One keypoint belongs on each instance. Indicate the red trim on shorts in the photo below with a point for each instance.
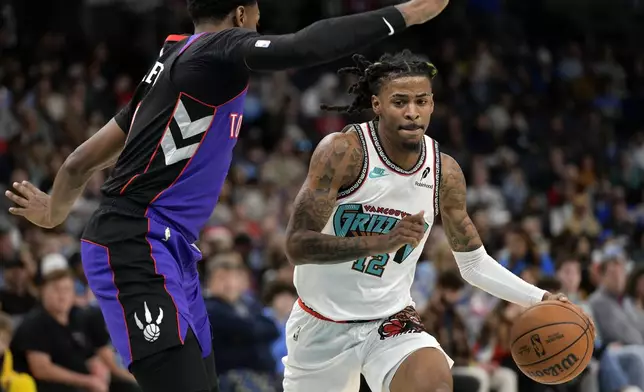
(320, 317)
(118, 292)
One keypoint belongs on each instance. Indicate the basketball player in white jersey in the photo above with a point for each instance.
(358, 227)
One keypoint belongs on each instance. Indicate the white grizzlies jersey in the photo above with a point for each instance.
(377, 286)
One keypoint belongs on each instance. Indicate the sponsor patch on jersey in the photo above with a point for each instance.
(422, 182)
(262, 43)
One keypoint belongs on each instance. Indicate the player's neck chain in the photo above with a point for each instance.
(373, 131)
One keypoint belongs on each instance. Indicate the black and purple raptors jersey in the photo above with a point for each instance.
(185, 117)
(182, 125)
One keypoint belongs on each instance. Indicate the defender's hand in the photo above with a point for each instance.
(33, 204)
(409, 230)
(420, 11)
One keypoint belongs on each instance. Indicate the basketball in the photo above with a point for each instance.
(552, 342)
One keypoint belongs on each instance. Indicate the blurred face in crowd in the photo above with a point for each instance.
(16, 278)
(405, 106)
(6, 247)
(530, 275)
(58, 295)
(481, 221)
(5, 340)
(450, 296)
(282, 304)
(569, 274)
(228, 282)
(516, 245)
(639, 287)
(615, 276)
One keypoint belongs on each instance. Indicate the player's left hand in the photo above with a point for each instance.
(32, 203)
(555, 297)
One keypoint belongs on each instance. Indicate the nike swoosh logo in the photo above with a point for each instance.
(374, 175)
(391, 28)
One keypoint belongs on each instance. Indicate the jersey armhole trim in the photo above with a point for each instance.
(437, 178)
(346, 191)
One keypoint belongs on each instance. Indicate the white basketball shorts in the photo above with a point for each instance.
(326, 356)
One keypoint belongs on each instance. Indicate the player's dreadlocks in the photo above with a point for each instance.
(200, 10)
(373, 75)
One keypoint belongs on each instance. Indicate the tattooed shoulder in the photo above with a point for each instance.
(336, 163)
(458, 226)
(452, 187)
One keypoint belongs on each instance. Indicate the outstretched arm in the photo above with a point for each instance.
(333, 38)
(98, 152)
(476, 266)
(336, 161)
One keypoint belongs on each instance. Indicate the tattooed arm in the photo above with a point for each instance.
(458, 226)
(476, 266)
(337, 162)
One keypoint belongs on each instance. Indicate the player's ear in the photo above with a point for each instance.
(375, 105)
(239, 16)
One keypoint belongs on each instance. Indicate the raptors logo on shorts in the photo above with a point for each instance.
(405, 321)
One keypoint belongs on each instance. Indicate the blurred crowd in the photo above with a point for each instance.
(547, 122)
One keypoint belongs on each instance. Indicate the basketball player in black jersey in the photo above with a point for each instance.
(172, 146)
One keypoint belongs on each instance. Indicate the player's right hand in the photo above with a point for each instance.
(408, 231)
(96, 384)
(420, 11)
(32, 203)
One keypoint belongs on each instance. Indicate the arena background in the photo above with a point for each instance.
(541, 102)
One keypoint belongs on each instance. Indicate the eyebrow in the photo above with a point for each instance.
(421, 95)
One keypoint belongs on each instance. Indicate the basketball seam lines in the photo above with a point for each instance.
(555, 304)
(565, 348)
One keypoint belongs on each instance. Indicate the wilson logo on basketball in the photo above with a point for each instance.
(565, 365)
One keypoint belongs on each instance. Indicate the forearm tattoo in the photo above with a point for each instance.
(336, 162)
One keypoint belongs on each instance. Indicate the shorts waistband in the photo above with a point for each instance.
(125, 205)
(320, 317)
(122, 203)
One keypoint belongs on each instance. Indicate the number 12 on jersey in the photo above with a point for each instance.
(376, 264)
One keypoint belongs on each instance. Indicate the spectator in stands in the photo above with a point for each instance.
(54, 343)
(279, 298)
(521, 253)
(634, 300)
(443, 322)
(617, 329)
(582, 221)
(10, 380)
(17, 295)
(242, 334)
(492, 349)
(121, 379)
